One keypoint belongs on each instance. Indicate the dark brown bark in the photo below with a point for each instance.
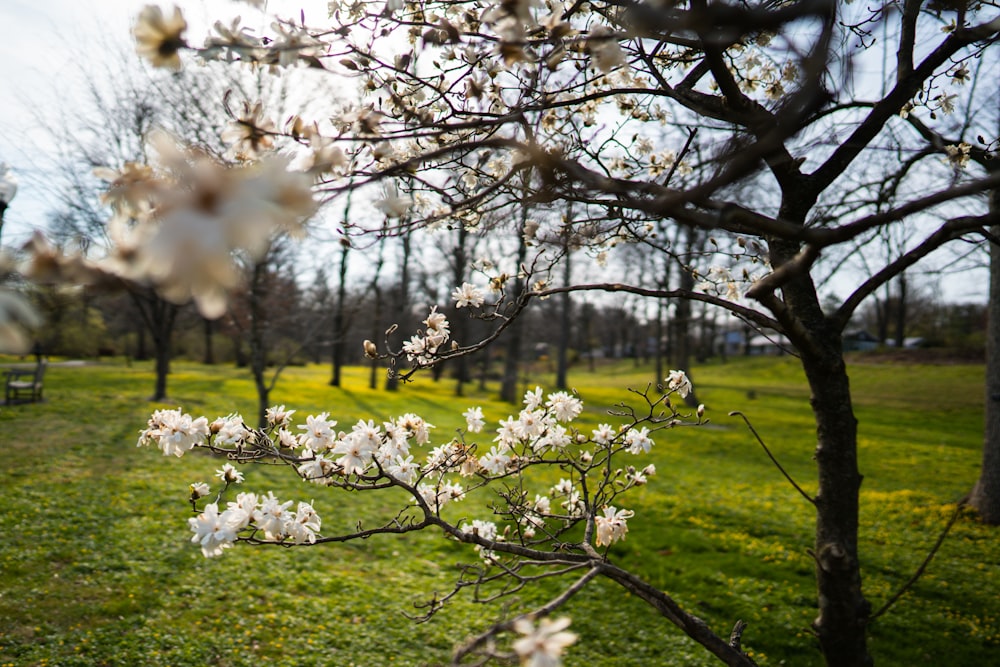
(692, 626)
(842, 622)
(681, 346)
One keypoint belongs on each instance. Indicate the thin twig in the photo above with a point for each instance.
(923, 566)
(544, 610)
(767, 451)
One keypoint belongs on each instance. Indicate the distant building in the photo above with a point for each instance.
(770, 344)
(859, 340)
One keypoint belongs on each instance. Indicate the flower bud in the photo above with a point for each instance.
(198, 490)
(370, 350)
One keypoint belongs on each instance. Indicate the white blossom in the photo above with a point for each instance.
(612, 526)
(213, 531)
(542, 646)
(678, 381)
(468, 295)
(474, 419)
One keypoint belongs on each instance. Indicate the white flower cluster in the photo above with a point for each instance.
(369, 455)
(174, 432)
(178, 224)
(367, 448)
(612, 526)
(215, 531)
(422, 347)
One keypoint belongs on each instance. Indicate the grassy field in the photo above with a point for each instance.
(96, 568)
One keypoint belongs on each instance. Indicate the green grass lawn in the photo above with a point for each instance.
(96, 567)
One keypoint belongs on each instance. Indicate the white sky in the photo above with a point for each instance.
(41, 42)
(40, 46)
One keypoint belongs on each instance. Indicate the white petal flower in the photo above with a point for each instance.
(229, 474)
(468, 295)
(637, 440)
(158, 38)
(542, 646)
(678, 381)
(213, 531)
(612, 526)
(474, 419)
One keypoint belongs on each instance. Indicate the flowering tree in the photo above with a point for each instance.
(527, 533)
(477, 109)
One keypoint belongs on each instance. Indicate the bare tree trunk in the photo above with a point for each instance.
(682, 316)
(258, 344)
(376, 330)
(985, 497)
(339, 333)
(901, 312)
(508, 385)
(401, 302)
(659, 342)
(842, 622)
(565, 319)
(158, 316)
(209, 336)
(460, 323)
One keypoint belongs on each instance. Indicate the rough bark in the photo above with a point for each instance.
(842, 620)
(460, 322)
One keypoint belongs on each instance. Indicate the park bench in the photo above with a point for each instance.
(25, 385)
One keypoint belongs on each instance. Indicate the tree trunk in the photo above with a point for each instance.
(985, 496)
(209, 335)
(460, 323)
(565, 319)
(682, 318)
(842, 623)
(141, 350)
(401, 305)
(901, 312)
(162, 371)
(508, 384)
(659, 343)
(843, 610)
(158, 316)
(339, 333)
(258, 342)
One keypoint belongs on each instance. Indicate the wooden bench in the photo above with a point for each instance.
(25, 385)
